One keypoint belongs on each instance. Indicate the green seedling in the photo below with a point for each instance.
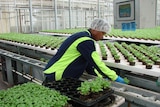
(126, 80)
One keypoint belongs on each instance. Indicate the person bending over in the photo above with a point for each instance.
(78, 54)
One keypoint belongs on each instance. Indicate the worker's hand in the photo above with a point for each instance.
(120, 80)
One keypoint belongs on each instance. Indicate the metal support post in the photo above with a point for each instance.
(55, 13)
(158, 82)
(20, 69)
(70, 20)
(30, 14)
(9, 70)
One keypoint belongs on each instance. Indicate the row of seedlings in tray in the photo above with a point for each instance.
(150, 54)
(103, 50)
(47, 42)
(41, 41)
(129, 56)
(86, 93)
(55, 44)
(141, 34)
(139, 55)
(96, 92)
(34, 40)
(113, 51)
(145, 54)
(153, 49)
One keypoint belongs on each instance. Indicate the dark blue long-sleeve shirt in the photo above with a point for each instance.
(75, 55)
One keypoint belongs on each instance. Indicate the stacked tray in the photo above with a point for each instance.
(68, 86)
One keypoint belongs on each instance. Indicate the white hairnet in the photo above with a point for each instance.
(101, 25)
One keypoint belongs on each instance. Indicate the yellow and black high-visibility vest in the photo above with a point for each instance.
(73, 57)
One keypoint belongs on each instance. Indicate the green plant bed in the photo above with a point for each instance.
(146, 34)
(33, 39)
(32, 95)
(66, 31)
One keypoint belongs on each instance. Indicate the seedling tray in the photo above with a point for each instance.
(68, 87)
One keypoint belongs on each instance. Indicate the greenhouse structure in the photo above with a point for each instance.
(79, 53)
(26, 16)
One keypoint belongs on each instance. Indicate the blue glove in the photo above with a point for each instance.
(120, 80)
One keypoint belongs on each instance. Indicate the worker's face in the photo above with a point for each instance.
(97, 35)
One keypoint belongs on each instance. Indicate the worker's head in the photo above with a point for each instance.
(99, 27)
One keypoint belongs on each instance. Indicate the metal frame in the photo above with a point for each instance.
(135, 74)
(130, 93)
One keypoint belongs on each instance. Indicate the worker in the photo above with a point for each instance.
(78, 54)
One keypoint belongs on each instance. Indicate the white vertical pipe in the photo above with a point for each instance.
(63, 16)
(55, 13)
(1, 20)
(17, 24)
(70, 23)
(30, 14)
(156, 13)
(25, 28)
(98, 8)
(9, 23)
(41, 15)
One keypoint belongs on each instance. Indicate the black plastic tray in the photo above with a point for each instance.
(68, 86)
